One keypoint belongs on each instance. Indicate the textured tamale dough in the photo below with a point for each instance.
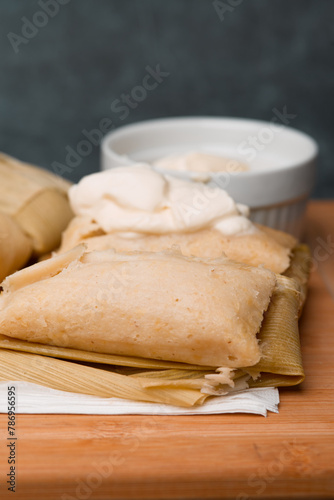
(265, 246)
(155, 305)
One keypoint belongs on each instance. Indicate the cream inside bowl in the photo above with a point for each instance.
(267, 166)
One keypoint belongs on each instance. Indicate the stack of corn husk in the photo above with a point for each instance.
(34, 210)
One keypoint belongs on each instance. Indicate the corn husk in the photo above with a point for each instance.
(36, 200)
(73, 377)
(299, 271)
(15, 247)
(167, 382)
(281, 362)
(94, 358)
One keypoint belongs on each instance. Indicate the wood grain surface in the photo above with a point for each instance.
(287, 455)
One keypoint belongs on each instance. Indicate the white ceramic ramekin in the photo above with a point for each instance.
(281, 160)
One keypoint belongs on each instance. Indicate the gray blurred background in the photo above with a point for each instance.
(68, 65)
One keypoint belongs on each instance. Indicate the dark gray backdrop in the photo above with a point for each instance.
(254, 55)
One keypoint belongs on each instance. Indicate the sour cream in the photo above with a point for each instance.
(137, 200)
(200, 162)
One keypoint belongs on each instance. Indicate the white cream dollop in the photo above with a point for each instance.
(196, 161)
(136, 200)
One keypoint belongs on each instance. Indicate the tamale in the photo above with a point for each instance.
(265, 246)
(131, 304)
(165, 381)
(36, 200)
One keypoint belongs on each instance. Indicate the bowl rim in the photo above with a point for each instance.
(202, 121)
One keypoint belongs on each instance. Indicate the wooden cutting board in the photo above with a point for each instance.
(286, 455)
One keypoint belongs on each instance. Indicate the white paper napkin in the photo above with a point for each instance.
(33, 398)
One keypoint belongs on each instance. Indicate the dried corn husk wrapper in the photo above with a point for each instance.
(281, 362)
(299, 271)
(34, 210)
(180, 384)
(15, 246)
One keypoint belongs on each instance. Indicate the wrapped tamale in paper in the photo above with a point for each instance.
(120, 324)
(34, 210)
